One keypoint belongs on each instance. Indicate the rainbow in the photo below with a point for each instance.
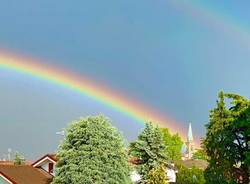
(84, 86)
(208, 16)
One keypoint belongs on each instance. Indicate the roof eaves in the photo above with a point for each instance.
(7, 178)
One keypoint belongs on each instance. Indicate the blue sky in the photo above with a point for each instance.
(150, 50)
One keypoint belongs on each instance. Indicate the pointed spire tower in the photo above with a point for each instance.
(190, 142)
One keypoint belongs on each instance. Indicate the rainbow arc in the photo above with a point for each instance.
(84, 86)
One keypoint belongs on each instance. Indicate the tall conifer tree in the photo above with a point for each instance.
(149, 149)
(227, 141)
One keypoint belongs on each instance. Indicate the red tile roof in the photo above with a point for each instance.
(12, 163)
(26, 174)
(50, 156)
(5, 177)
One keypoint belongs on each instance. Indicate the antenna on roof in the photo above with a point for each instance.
(62, 133)
(9, 153)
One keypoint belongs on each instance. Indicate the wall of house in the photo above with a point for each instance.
(171, 175)
(45, 166)
(135, 177)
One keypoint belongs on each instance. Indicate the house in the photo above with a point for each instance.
(170, 171)
(47, 163)
(39, 172)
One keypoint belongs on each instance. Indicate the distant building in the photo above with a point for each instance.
(188, 147)
(39, 172)
(171, 173)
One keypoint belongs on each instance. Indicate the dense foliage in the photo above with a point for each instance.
(18, 159)
(200, 154)
(149, 148)
(173, 144)
(92, 152)
(157, 176)
(227, 141)
(192, 175)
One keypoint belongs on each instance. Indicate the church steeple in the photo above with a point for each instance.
(190, 143)
(188, 147)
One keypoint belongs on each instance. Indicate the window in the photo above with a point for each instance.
(51, 167)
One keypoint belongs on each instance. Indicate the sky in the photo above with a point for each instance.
(171, 55)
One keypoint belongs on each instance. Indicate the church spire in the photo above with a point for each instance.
(190, 143)
(188, 147)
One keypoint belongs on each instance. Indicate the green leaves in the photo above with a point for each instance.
(173, 144)
(157, 176)
(200, 154)
(227, 140)
(19, 159)
(92, 152)
(192, 175)
(149, 148)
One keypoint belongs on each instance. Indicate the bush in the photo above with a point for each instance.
(192, 175)
(157, 176)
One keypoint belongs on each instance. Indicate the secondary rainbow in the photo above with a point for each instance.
(87, 87)
(208, 16)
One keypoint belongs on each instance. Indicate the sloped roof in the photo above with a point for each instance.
(26, 174)
(6, 178)
(7, 162)
(51, 157)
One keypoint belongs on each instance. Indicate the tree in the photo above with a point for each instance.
(18, 160)
(200, 154)
(157, 176)
(192, 175)
(173, 144)
(227, 141)
(149, 148)
(92, 152)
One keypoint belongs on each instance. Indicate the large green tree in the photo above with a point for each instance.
(173, 144)
(149, 149)
(227, 140)
(92, 152)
